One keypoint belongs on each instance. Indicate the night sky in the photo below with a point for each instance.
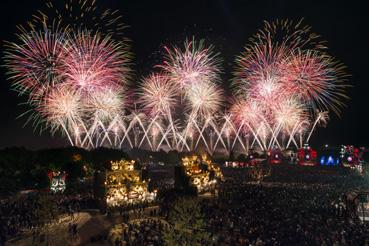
(228, 25)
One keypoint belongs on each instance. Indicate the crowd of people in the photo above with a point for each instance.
(144, 232)
(124, 208)
(27, 212)
(284, 214)
(16, 214)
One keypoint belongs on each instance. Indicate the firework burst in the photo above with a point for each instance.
(285, 70)
(34, 64)
(159, 95)
(317, 79)
(288, 58)
(193, 64)
(289, 112)
(106, 104)
(61, 108)
(93, 62)
(205, 99)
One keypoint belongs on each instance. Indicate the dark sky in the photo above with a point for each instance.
(225, 23)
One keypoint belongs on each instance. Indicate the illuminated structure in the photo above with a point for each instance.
(307, 156)
(328, 160)
(351, 156)
(275, 157)
(124, 185)
(328, 156)
(202, 172)
(57, 180)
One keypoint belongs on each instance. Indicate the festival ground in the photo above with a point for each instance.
(305, 203)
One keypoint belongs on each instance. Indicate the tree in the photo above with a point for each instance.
(188, 224)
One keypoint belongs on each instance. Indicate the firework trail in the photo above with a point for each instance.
(195, 69)
(62, 109)
(159, 97)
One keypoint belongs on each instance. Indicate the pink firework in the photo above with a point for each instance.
(158, 95)
(75, 15)
(193, 64)
(246, 112)
(35, 63)
(288, 113)
(105, 104)
(260, 61)
(94, 62)
(287, 60)
(290, 34)
(267, 90)
(317, 79)
(205, 99)
(62, 107)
